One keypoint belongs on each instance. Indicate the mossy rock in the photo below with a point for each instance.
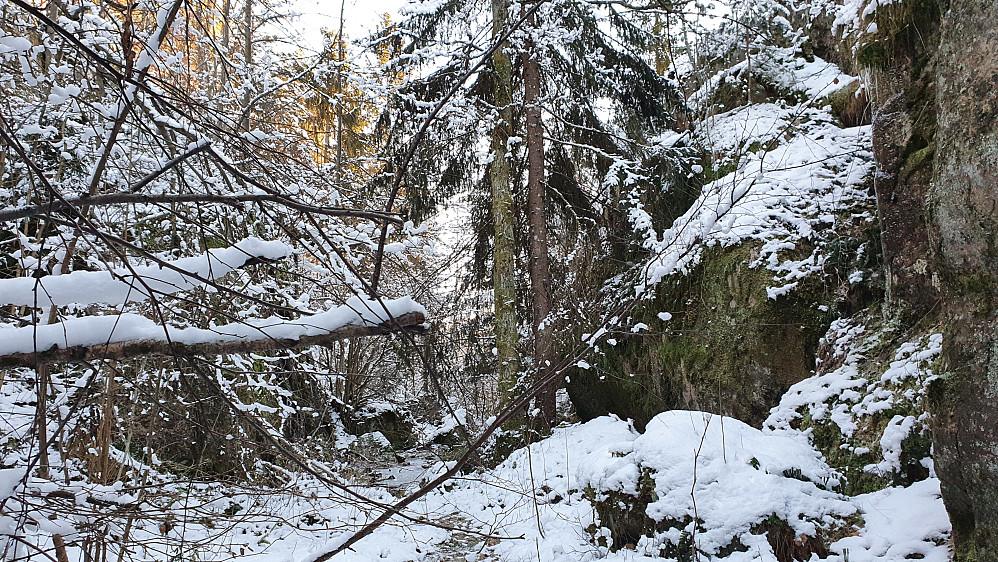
(729, 348)
(394, 423)
(859, 456)
(624, 517)
(625, 514)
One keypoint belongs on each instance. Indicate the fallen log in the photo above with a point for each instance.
(408, 322)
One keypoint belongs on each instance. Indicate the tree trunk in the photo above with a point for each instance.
(661, 47)
(540, 274)
(226, 17)
(964, 211)
(247, 62)
(340, 91)
(504, 272)
(226, 11)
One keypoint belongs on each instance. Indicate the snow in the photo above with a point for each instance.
(735, 474)
(726, 473)
(851, 399)
(729, 475)
(94, 330)
(539, 494)
(900, 522)
(139, 282)
(429, 432)
(12, 44)
(786, 70)
(830, 392)
(890, 442)
(818, 78)
(809, 170)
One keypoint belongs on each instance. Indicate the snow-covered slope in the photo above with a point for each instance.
(548, 501)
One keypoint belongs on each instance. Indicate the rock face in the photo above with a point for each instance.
(964, 211)
(899, 59)
(731, 350)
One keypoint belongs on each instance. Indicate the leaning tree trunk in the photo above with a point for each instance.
(964, 209)
(504, 272)
(540, 273)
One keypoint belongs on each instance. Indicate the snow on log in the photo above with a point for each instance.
(118, 286)
(125, 336)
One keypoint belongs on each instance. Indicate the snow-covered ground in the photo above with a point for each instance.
(540, 504)
(692, 486)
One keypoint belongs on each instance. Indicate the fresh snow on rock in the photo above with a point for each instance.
(805, 173)
(726, 473)
(899, 523)
(847, 398)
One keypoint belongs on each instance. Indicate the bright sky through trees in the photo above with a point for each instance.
(360, 17)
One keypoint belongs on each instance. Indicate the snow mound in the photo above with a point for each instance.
(901, 523)
(728, 476)
(745, 488)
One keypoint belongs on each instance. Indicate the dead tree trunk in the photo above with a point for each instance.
(408, 322)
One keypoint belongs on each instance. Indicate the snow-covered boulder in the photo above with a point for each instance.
(393, 422)
(695, 478)
(864, 408)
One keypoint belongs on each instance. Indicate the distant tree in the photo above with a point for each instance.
(589, 104)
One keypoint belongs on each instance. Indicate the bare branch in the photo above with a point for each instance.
(56, 206)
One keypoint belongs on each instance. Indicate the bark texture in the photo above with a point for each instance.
(964, 212)
(540, 271)
(247, 61)
(504, 247)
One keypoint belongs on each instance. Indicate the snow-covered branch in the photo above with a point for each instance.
(134, 284)
(16, 213)
(127, 336)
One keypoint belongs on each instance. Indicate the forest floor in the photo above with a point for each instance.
(544, 503)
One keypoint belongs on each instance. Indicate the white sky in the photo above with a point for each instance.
(360, 17)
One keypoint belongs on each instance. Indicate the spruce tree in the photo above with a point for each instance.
(587, 106)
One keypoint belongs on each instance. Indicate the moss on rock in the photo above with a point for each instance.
(729, 348)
